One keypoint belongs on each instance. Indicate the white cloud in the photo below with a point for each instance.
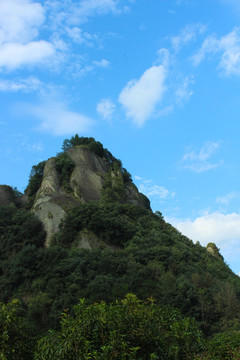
(140, 97)
(200, 161)
(15, 55)
(228, 48)
(81, 37)
(165, 111)
(29, 84)
(19, 20)
(106, 108)
(56, 119)
(21, 23)
(102, 63)
(187, 35)
(221, 229)
(225, 200)
(136, 177)
(155, 191)
(183, 93)
(89, 8)
(152, 190)
(19, 26)
(91, 67)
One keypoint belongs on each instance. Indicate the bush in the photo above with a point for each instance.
(125, 330)
(16, 340)
(64, 166)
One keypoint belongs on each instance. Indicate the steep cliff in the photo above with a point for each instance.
(76, 176)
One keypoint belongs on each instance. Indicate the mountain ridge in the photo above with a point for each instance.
(103, 241)
(76, 176)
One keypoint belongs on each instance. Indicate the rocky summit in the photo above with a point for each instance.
(77, 176)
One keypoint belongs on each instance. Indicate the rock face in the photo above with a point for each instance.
(52, 201)
(87, 177)
(213, 250)
(46, 204)
(86, 183)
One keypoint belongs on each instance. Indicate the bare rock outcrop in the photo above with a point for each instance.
(85, 183)
(214, 251)
(52, 201)
(87, 177)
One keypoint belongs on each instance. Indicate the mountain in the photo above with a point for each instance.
(76, 176)
(83, 230)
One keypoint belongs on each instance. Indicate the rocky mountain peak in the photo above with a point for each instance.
(83, 172)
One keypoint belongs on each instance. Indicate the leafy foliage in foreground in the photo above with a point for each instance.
(16, 340)
(222, 346)
(128, 329)
(125, 330)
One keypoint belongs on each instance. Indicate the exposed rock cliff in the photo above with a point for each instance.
(87, 177)
(86, 182)
(212, 249)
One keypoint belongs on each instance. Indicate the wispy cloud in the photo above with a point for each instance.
(153, 191)
(91, 7)
(158, 191)
(26, 145)
(233, 3)
(15, 147)
(78, 13)
(140, 97)
(29, 84)
(79, 36)
(79, 70)
(226, 199)
(136, 177)
(102, 63)
(106, 108)
(227, 47)
(55, 118)
(200, 161)
(183, 93)
(188, 34)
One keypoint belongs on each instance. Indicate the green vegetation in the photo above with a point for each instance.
(34, 183)
(151, 258)
(89, 142)
(64, 166)
(96, 147)
(16, 339)
(134, 251)
(125, 330)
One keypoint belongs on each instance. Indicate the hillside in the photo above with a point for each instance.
(82, 230)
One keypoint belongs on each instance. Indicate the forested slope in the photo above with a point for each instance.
(106, 249)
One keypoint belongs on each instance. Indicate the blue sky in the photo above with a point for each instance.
(157, 82)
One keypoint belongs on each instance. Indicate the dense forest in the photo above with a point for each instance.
(143, 290)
